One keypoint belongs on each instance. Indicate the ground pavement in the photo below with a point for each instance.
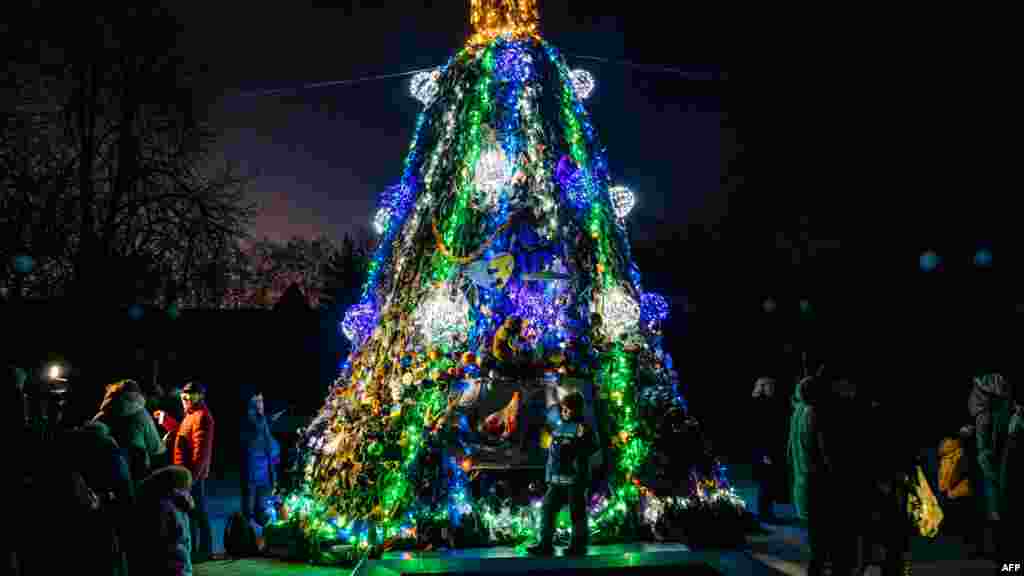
(780, 548)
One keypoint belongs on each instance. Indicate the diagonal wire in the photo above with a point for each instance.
(351, 81)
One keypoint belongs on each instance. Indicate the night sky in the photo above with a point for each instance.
(321, 155)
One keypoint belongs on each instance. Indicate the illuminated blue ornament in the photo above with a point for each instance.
(983, 258)
(929, 261)
(653, 309)
(23, 264)
(514, 64)
(358, 322)
(135, 312)
(571, 181)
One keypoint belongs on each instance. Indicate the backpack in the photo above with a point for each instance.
(239, 537)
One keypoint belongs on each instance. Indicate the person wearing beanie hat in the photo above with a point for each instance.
(193, 449)
(165, 533)
(261, 453)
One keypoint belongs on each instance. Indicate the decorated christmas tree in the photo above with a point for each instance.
(502, 281)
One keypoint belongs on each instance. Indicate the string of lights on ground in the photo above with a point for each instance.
(503, 257)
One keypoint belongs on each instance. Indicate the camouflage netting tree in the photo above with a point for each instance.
(503, 261)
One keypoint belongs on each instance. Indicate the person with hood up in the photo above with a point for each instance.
(769, 453)
(102, 536)
(809, 467)
(165, 533)
(991, 406)
(193, 449)
(123, 410)
(260, 458)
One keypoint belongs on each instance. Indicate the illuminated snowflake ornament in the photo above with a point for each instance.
(582, 82)
(620, 312)
(424, 86)
(622, 201)
(443, 315)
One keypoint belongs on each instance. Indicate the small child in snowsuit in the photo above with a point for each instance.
(165, 538)
(567, 475)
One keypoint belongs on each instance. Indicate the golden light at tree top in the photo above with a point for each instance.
(492, 18)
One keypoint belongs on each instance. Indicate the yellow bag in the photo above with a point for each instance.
(922, 505)
(952, 469)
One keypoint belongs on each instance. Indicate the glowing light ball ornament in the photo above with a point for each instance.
(443, 316)
(381, 219)
(983, 258)
(582, 82)
(358, 322)
(620, 312)
(929, 261)
(23, 264)
(623, 201)
(514, 64)
(424, 86)
(492, 173)
(653, 309)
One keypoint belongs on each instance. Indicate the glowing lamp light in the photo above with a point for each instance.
(623, 200)
(424, 86)
(55, 372)
(582, 82)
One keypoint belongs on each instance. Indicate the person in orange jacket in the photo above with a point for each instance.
(193, 449)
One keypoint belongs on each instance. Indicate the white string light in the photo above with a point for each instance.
(443, 315)
(620, 312)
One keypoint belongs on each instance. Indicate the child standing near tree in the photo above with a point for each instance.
(567, 475)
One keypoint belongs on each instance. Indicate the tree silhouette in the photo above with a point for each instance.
(107, 168)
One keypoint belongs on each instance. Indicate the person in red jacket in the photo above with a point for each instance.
(193, 449)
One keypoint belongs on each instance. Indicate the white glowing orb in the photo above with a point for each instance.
(582, 82)
(623, 200)
(491, 176)
(620, 312)
(424, 86)
(381, 219)
(443, 316)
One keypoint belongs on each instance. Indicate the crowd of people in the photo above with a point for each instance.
(852, 467)
(125, 492)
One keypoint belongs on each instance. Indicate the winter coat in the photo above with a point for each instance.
(101, 537)
(992, 411)
(165, 535)
(261, 449)
(193, 444)
(124, 412)
(569, 454)
(806, 452)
